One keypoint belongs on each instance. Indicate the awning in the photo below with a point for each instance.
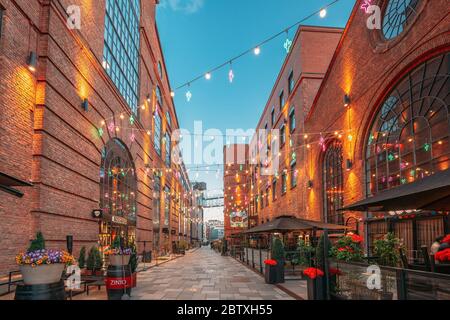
(7, 182)
(429, 193)
(284, 224)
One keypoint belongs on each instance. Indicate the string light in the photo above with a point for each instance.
(323, 13)
(231, 74)
(257, 51)
(208, 76)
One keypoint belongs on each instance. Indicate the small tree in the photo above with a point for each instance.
(133, 258)
(278, 250)
(387, 250)
(320, 252)
(82, 258)
(38, 243)
(94, 260)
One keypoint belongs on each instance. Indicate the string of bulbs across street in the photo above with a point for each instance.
(256, 50)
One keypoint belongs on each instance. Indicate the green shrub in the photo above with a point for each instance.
(304, 252)
(133, 258)
(278, 250)
(348, 248)
(387, 250)
(82, 258)
(320, 252)
(38, 243)
(94, 261)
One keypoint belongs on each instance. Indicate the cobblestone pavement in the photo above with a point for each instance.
(204, 275)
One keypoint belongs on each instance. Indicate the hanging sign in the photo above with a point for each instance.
(119, 220)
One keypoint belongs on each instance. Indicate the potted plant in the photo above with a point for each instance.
(270, 271)
(118, 255)
(387, 252)
(133, 264)
(39, 265)
(348, 248)
(82, 260)
(278, 255)
(315, 283)
(94, 262)
(303, 256)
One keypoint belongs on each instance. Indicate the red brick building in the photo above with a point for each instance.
(280, 130)
(86, 117)
(236, 188)
(376, 117)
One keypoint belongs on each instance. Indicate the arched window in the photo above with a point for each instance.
(409, 138)
(398, 14)
(118, 181)
(121, 47)
(333, 183)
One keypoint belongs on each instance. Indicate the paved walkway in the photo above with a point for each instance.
(201, 275)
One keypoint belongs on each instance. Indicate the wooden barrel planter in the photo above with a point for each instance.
(54, 291)
(119, 281)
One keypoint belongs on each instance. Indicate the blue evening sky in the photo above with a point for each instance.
(197, 35)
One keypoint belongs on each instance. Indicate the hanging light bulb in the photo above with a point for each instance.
(323, 13)
(257, 51)
(172, 94)
(188, 96)
(231, 75)
(208, 76)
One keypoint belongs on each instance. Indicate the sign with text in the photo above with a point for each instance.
(239, 220)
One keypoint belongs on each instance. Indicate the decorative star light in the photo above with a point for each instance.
(131, 120)
(231, 76)
(391, 157)
(365, 6)
(322, 143)
(133, 137)
(288, 45)
(100, 132)
(188, 96)
(427, 147)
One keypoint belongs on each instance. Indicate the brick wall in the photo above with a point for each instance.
(49, 139)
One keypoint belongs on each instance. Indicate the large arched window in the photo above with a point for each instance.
(333, 183)
(121, 47)
(398, 14)
(118, 181)
(409, 138)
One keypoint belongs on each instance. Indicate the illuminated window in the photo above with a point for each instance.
(281, 100)
(333, 183)
(166, 206)
(291, 82)
(272, 116)
(159, 96)
(274, 189)
(156, 210)
(118, 181)
(397, 16)
(283, 182)
(283, 135)
(292, 123)
(121, 49)
(294, 174)
(168, 146)
(409, 138)
(158, 133)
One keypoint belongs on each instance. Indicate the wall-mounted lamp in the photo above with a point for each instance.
(149, 98)
(349, 165)
(310, 184)
(32, 61)
(85, 104)
(347, 101)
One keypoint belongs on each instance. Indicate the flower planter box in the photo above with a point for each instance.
(134, 280)
(119, 260)
(271, 274)
(42, 274)
(316, 288)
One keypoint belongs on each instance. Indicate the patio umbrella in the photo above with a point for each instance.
(285, 224)
(429, 193)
